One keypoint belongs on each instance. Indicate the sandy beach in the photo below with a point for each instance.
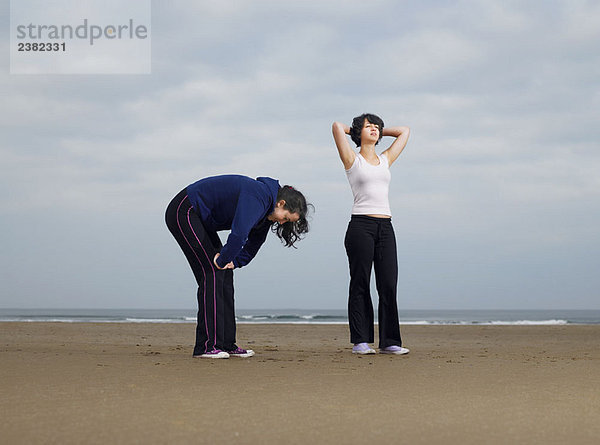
(78, 383)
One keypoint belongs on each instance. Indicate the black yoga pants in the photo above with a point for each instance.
(371, 242)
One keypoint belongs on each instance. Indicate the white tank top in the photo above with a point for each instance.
(370, 185)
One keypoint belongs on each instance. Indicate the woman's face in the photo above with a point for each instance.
(369, 133)
(282, 215)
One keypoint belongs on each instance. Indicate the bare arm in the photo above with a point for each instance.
(401, 134)
(346, 153)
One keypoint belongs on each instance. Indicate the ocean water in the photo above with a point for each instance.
(304, 316)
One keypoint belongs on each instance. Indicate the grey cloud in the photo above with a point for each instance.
(496, 189)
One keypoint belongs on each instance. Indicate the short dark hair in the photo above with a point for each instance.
(358, 124)
(295, 202)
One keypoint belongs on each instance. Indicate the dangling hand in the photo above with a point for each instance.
(227, 266)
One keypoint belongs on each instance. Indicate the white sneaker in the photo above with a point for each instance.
(397, 350)
(362, 348)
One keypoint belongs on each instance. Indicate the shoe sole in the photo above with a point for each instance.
(372, 351)
(215, 356)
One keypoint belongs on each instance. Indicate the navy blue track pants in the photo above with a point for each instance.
(216, 313)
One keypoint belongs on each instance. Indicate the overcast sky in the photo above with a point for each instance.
(495, 200)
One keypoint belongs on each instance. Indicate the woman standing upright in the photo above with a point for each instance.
(370, 239)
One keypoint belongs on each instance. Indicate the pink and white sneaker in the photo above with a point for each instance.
(239, 352)
(215, 353)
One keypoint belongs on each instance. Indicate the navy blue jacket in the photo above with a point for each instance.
(240, 204)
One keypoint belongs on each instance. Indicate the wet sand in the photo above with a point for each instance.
(137, 383)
